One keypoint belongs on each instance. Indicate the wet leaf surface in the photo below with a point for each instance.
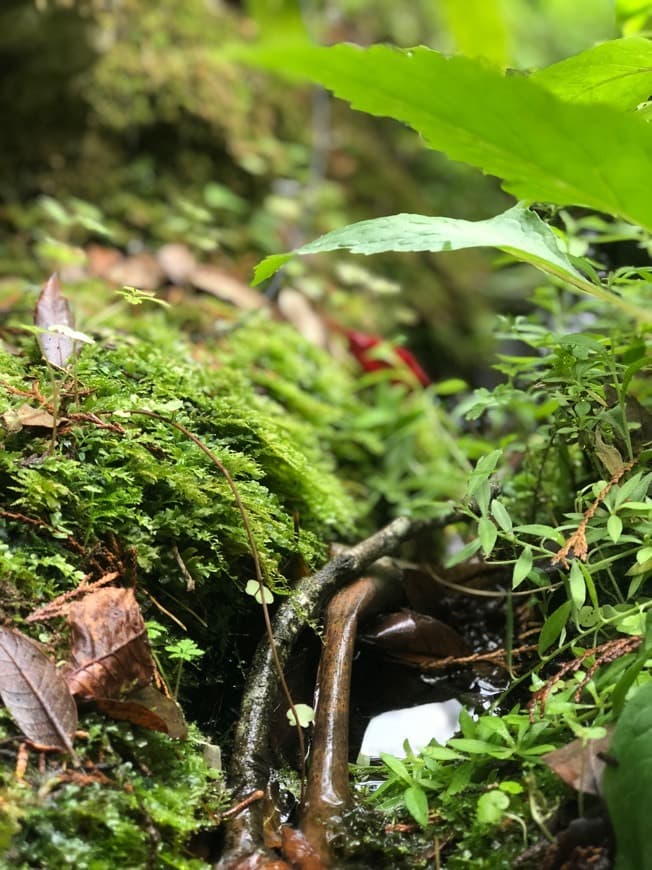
(415, 633)
(149, 708)
(35, 692)
(52, 309)
(110, 654)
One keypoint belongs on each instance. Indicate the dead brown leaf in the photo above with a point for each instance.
(100, 260)
(297, 310)
(177, 261)
(60, 605)
(110, 654)
(52, 309)
(35, 692)
(212, 280)
(578, 763)
(140, 270)
(149, 708)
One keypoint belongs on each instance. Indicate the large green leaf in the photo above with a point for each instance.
(617, 73)
(544, 148)
(627, 783)
(518, 231)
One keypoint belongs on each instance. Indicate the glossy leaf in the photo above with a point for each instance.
(35, 693)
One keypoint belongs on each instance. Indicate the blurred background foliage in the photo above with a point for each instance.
(132, 106)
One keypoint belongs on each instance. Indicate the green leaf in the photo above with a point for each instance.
(546, 149)
(253, 588)
(627, 783)
(541, 531)
(417, 804)
(576, 584)
(441, 753)
(616, 73)
(480, 747)
(491, 806)
(464, 553)
(269, 266)
(487, 532)
(397, 767)
(499, 513)
(522, 567)
(554, 625)
(518, 231)
(614, 527)
(304, 712)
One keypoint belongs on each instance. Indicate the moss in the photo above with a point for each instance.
(137, 497)
(138, 808)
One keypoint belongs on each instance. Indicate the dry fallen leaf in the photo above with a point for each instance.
(297, 310)
(110, 654)
(212, 280)
(177, 261)
(148, 708)
(35, 692)
(100, 260)
(140, 270)
(578, 763)
(60, 605)
(52, 309)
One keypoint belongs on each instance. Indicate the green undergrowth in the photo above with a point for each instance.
(113, 489)
(137, 803)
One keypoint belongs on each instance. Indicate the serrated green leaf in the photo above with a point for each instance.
(417, 804)
(546, 149)
(487, 532)
(553, 626)
(499, 513)
(522, 567)
(616, 73)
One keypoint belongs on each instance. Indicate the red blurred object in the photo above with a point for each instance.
(362, 344)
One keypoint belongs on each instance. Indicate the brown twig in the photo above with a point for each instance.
(327, 793)
(252, 736)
